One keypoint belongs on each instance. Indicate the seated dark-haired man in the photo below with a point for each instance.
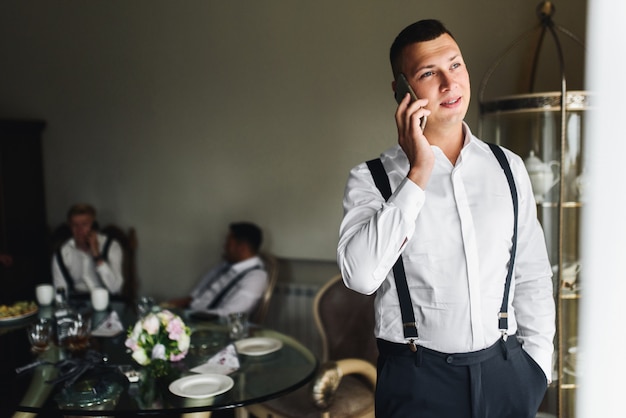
(88, 259)
(238, 282)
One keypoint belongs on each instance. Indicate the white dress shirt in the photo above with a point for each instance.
(455, 239)
(87, 274)
(242, 297)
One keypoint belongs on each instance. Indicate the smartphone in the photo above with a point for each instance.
(402, 88)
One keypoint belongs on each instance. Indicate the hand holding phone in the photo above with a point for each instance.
(402, 88)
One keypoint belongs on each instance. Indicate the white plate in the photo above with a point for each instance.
(258, 346)
(201, 385)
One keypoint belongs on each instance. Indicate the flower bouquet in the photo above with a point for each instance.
(159, 336)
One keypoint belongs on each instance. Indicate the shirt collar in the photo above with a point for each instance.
(469, 140)
(246, 264)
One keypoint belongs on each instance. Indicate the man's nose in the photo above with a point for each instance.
(447, 81)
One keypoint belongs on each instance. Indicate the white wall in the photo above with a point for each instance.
(602, 307)
(179, 117)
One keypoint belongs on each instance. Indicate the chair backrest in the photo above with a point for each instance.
(128, 242)
(345, 320)
(271, 265)
(58, 236)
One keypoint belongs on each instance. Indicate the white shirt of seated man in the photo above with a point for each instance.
(82, 255)
(241, 263)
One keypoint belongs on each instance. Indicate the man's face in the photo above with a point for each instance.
(81, 227)
(436, 71)
(231, 249)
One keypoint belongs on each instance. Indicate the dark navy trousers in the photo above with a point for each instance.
(501, 381)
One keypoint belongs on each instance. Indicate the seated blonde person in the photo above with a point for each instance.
(236, 284)
(88, 259)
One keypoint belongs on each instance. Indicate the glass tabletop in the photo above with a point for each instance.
(277, 366)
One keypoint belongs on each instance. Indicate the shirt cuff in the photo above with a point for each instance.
(409, 197)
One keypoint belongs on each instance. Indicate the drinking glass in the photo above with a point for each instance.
(238, 325)
(40, 335)
(78, 333)
(145, 305)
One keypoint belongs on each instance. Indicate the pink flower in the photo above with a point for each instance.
(144, 338)
(132, 344)
(178, 357)
(175, 329)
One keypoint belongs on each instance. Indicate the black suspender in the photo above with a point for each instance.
(503, 316)
(105, 248)
(380, 177)
(218, 298)
(406, 307)
(381, 180)
(65, 272)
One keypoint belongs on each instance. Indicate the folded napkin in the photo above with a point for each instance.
(224, 362)
(110, 327)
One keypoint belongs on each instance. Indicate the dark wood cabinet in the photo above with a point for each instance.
(23, 226)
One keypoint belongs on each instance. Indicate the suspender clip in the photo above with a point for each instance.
(503, 322)
(412, 341)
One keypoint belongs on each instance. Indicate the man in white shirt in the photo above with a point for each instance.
(89, 259)
(450, 219)
(237, 284)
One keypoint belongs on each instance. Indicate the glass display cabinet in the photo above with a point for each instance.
(547, 131)
(530, 125)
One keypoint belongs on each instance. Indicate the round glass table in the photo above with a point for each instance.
(261, 376)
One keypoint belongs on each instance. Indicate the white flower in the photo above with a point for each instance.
(158, 352)
(163, 334)
(151, 324)
(183, 342)
(137, 330)
(140, 357)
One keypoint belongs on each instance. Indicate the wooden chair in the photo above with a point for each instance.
(271, 265)
(345, 382)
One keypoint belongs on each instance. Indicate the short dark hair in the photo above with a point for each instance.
(81, 209)
(247, 232)
(421, 31)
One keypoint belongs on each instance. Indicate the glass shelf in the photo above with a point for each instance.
(530, 125)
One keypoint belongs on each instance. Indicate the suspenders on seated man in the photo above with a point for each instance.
(443, 228)
(237, 283)
(88, 259)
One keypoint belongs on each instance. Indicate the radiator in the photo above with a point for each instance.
(291, 312)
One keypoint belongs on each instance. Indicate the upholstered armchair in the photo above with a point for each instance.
(345, 382)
